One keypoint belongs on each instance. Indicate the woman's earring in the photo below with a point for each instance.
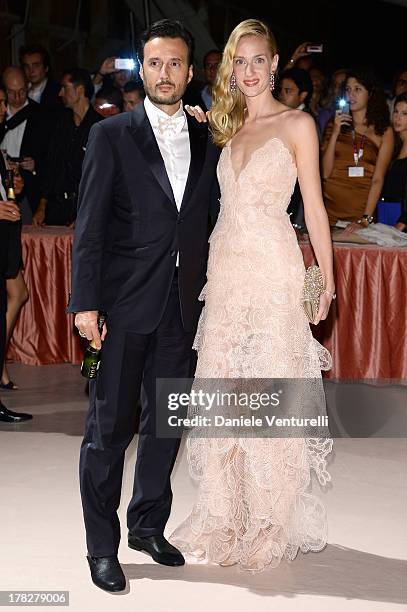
(272, 81)
(233, 83)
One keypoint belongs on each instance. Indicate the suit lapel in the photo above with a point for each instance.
(3, 170)
(198, 135)
(144, 138)
(27, 139)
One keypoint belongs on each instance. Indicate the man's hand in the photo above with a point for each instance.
(107, 67)
(301, 51)
(87, 324)
(28, 163)
(9, 211)
(39, 215)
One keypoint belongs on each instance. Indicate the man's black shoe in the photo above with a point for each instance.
(106, 573)
(158, 547)
(8, 416)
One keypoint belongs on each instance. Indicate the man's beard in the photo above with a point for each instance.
(165, 99)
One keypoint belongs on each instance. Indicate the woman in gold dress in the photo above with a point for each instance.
(357, 150)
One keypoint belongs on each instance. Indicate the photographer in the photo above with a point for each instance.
(109, 75)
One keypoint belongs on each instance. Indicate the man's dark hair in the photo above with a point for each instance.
(167, 28)
(397, 76)
(112, 95)
(134, 86)
(208, 53)
(302, 79)
(80, 76)
(36, 48)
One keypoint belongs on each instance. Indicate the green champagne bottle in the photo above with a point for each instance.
(91, 358)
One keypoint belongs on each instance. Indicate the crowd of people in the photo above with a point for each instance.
(45, 124)
(154, 182)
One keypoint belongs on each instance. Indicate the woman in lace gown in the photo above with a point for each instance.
(254, 504)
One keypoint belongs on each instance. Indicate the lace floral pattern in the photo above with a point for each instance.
(254, 503)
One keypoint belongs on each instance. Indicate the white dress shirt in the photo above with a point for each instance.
(35, 93)
(172, 136)
(206, 97)
(13, 138)
(3, 194)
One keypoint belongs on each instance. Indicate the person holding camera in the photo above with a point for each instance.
(356, 152)
(109, 74)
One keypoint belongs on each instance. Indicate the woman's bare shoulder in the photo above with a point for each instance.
(297, 125)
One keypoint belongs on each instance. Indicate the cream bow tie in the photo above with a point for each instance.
(171, 125)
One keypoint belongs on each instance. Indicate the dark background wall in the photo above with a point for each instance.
(366, 31)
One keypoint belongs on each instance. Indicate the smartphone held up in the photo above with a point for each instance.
(124, 64)
(342, 107)
(315, 48)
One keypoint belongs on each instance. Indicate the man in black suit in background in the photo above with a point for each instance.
(202, 96)
(140, 251)
(67, 150)
(35, 62)
(25, 133)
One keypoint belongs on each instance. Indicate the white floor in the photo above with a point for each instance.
(363, 568)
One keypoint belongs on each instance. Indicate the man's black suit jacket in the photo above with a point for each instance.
(50, 99)
(128, 228)
(35, 142)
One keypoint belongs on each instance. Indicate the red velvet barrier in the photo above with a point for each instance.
(366, 330)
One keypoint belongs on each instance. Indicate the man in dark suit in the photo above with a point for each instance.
(296, 92)
(140, 251)
(35, 62)
(202, 96)
(66, 150)
(25, 133)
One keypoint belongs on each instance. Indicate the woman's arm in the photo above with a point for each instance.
(382, 164)
(305, 143)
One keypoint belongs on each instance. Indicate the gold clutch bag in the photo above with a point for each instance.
(314, 286)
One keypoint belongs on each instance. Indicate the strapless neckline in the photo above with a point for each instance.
(256, 152)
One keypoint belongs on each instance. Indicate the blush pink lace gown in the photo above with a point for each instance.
(254, 504)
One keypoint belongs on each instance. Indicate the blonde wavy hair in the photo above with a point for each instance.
(227, 113)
